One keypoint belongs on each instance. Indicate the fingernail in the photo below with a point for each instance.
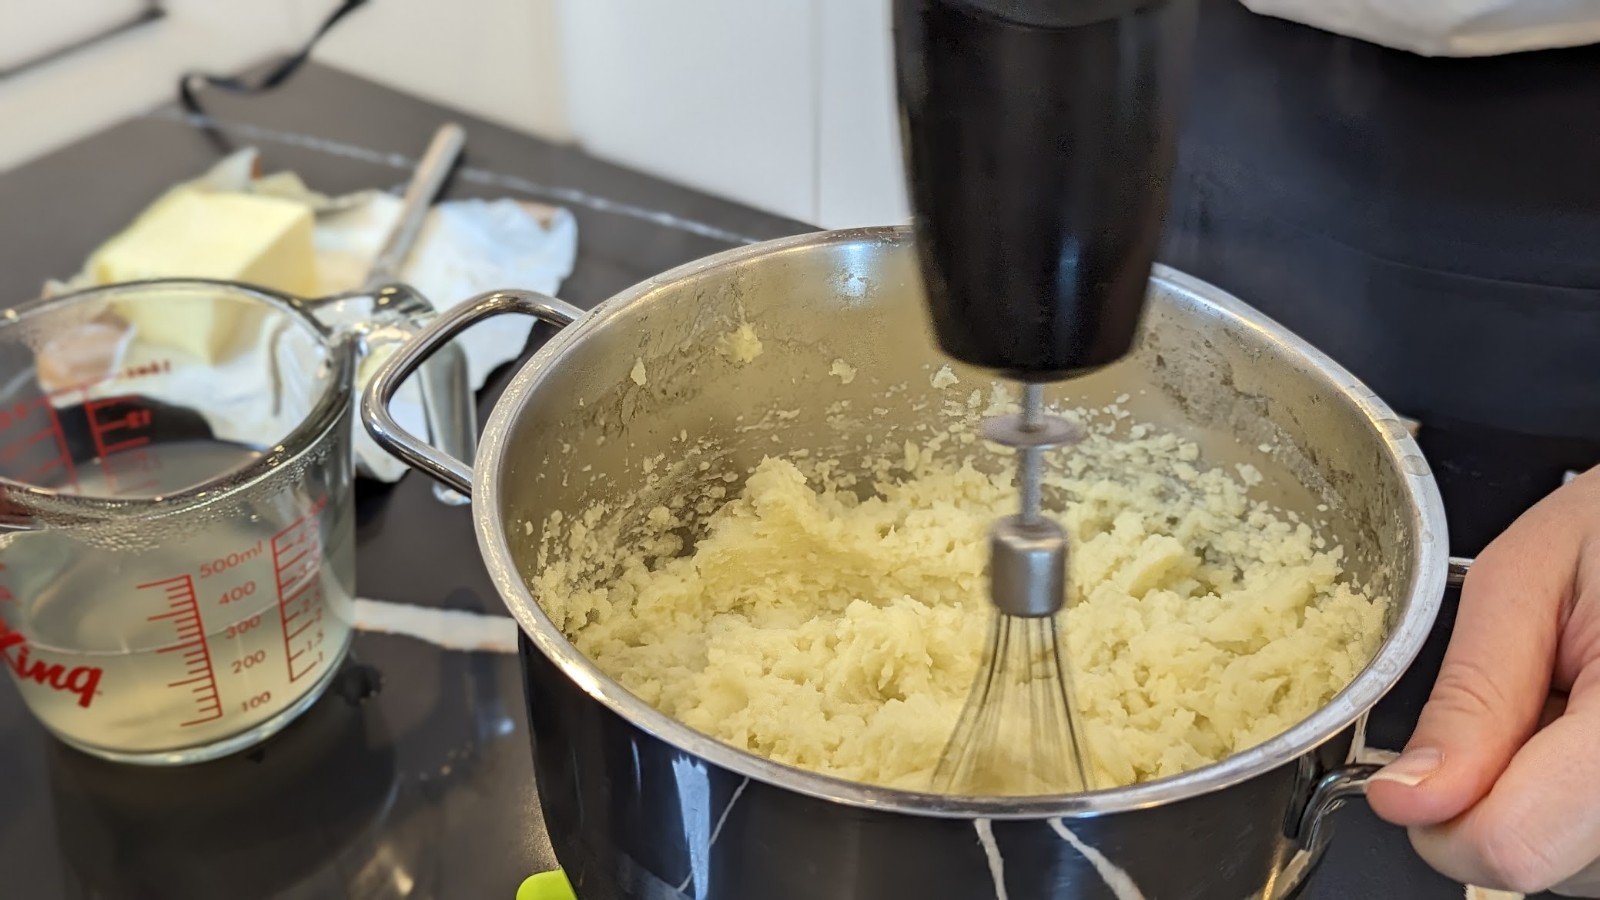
(1412, 767)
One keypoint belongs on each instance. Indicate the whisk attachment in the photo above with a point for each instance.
(1019, 733)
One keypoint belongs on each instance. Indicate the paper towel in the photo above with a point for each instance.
(1448, 27)
(465, 247)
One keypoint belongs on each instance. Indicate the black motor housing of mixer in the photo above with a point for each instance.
(1039, 140)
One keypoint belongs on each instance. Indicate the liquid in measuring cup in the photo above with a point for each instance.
(181, 649)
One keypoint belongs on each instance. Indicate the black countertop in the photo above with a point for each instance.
(412, 778)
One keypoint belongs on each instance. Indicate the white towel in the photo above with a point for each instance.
(1448, 27)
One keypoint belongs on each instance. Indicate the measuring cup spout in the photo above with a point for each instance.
(13, 516)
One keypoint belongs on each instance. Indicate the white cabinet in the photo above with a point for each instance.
(860, 177)
(496, 59)
(786, 105)
(31, 30)
(720, 95)
(45, 106)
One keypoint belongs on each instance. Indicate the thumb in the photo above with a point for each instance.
(1539, 827)
(1495, 678)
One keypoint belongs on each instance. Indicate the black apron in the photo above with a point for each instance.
(1432, 224)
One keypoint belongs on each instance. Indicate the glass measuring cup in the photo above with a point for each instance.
(176, 518)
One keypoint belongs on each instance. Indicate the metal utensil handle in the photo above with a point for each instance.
(447, 401)
(380, 423)
(426, 182)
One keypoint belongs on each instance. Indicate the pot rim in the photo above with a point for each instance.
(1399, 649)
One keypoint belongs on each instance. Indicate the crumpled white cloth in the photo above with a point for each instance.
(1448, 27)
(465, 247)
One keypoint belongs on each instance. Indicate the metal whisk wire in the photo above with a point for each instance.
(1019, 731)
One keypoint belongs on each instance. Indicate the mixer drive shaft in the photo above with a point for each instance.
(1028, 552)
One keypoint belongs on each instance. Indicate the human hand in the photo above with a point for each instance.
(1500, 785)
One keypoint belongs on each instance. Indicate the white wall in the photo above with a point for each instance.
(45, 107)
(496, 59)
(862, 179)
(56, 26)
(717, 94)
(786, 105)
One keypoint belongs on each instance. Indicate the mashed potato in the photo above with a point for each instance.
(842, 634)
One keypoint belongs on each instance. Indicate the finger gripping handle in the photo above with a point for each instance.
(1346, 782)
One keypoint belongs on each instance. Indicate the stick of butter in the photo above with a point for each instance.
(262, 241)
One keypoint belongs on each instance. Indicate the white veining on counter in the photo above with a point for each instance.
(472, 174)
(452, 629)
(991, 851)
(1289, 879)
(1120, 882)
(723, 819)
(1374, 756)
(602, 204)
(716, 832)
(1478, 893)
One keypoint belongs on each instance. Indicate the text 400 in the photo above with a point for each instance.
(235, 594)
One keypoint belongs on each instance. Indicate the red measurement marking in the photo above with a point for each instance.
(65, 458)
(183, 611)
(139, 418)
(114, 453)
(13, 450)
(296, 555)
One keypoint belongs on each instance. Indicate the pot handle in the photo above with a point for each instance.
(1349, 781)
(399, 366)
(1332, 790)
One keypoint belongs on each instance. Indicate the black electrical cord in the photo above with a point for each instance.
(191, 82)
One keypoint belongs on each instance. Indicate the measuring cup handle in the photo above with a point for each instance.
(394, 371)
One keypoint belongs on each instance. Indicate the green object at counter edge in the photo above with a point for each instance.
(547, 886)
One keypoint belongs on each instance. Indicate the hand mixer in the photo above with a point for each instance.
(1038, 141)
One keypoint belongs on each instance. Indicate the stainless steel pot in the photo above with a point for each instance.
(640, 806)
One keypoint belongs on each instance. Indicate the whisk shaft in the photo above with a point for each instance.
(1030, 460)
(1018, 732)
